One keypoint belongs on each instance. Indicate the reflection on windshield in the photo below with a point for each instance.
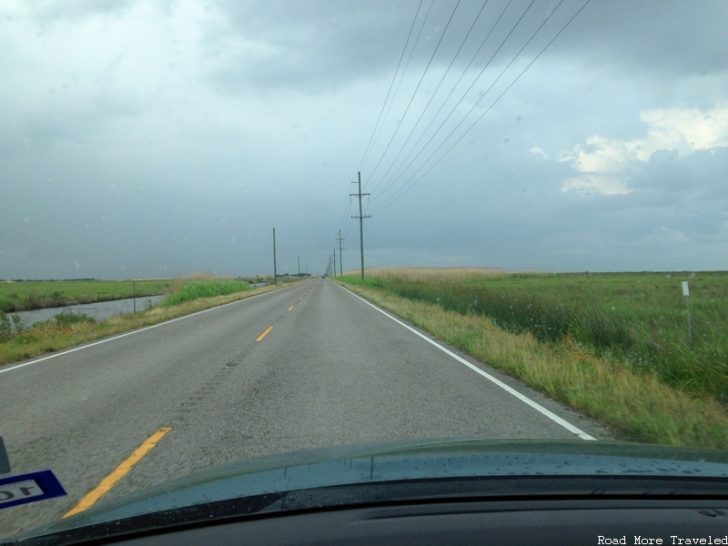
(235, 230)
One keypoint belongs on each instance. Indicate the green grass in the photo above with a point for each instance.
(67, 318)
(67, 329)
(192, 289)
(638, 320)
(24, 295)
(580, 352)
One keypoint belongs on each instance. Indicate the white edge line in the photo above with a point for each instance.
(510, 390)
(5, 369)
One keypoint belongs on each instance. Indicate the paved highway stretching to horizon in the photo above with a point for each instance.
(310, 365)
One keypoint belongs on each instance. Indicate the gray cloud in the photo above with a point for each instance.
(163, 138)
(74, 9)
(320, 44)
(655, 39)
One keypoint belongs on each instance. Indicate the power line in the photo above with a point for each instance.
(409, 59)
(437, 88)
(361, 218)
(406, 188)
(454, 108)
(457, 83)
(473, 107)
(391, 84)
(342, 223)
(417, 88)
(407, 64)
(346, 214)
(340, 240)
(460, 78)
(275, 259)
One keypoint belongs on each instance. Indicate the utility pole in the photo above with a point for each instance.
(361, 217)
(340, 239)
(299, 266)
(334, 262)
(275, 267)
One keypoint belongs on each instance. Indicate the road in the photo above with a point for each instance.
(310, 365)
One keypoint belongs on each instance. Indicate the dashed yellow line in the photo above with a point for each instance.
(264, 333)
(119, 472)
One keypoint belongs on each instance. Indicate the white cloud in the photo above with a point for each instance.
(604, 163)
(535, 150)
(592, 183)
(685, 130)
(601, 155)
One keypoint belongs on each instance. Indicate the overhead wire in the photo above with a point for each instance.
(409, 59)
(413, 179)
(483, 94)
(346, 214)
(419, 83)
(434, 93)
(407, 64)
(457, 83)
(391, 85)
(462, 98)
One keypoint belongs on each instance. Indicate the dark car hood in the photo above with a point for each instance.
(407, 462)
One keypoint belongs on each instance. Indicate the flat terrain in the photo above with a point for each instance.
(626, 348)
(24, 295)
(637, 319)
(310, 365)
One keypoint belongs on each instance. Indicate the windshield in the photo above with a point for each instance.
(239, 229)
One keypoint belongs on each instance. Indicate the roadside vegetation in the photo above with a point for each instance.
(67, 329)
(22, 295)
(188, 290)
(613, 345)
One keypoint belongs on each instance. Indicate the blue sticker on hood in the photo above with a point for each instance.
(32, 487)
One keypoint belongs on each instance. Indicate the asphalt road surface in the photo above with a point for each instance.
(310, 365)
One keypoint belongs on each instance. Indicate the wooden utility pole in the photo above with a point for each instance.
(275, 265)
(340, 239)
(361, 217)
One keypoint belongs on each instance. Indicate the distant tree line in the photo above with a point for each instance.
(52, 280)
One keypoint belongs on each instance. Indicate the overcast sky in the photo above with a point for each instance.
(147, 139)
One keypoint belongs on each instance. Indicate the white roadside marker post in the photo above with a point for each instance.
(686, 294)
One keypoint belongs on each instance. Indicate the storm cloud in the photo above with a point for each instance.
(162, 138)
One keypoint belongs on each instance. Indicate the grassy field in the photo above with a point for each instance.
(69, 329)
(24, 295)
(182, 290)
(614, 345)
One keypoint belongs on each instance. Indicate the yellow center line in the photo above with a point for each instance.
(264, 333)
(119, 472)
(291, 307)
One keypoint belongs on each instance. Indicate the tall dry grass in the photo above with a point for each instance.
(443, 274)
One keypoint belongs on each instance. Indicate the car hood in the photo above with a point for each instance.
(268, 477)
